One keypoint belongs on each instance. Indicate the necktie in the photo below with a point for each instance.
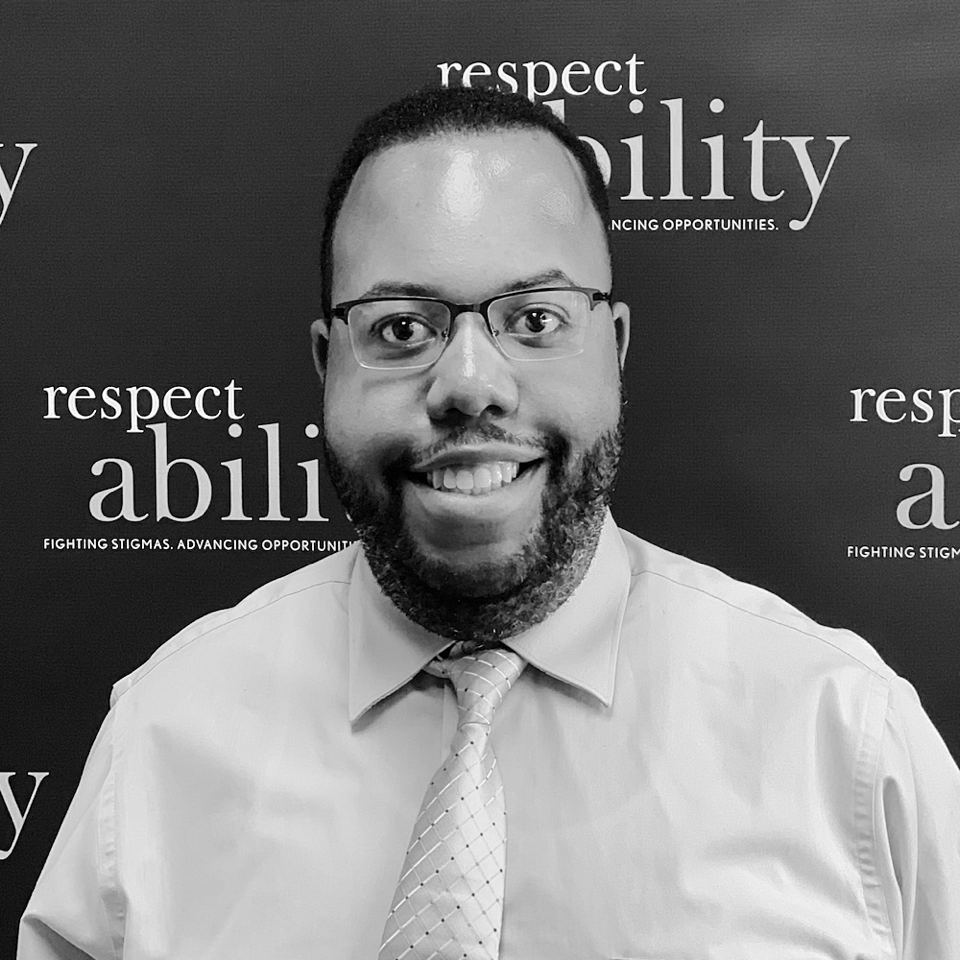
(449, 901)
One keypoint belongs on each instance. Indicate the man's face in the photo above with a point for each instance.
(464, 217)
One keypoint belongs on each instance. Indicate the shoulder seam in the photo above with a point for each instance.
(107, 872)
(760, 616)
(864, 803)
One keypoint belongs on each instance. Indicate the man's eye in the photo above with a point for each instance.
(405, 330)
(534, 321)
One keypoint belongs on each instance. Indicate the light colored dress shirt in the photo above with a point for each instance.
(693, 771)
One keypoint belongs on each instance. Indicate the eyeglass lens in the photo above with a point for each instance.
(399, 333)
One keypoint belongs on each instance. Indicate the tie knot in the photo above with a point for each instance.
(481, 680)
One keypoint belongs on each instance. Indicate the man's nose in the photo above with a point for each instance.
(471, 376)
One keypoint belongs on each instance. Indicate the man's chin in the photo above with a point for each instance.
(472, 579)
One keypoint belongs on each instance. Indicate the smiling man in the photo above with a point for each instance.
(690, 768)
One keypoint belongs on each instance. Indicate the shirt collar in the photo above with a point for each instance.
(577, 644)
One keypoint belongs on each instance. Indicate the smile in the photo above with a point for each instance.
(473, 479)
(475, 470)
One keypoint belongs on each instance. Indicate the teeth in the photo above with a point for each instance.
(477, 480)
(482, 479)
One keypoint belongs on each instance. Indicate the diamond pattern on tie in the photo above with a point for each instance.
(449, 901)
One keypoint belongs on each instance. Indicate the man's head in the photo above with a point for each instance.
(475, 455)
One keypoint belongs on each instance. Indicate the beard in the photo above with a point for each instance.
(492, 601)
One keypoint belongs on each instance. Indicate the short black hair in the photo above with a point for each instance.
(438, 110)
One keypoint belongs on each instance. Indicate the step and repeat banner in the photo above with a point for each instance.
(785, 226)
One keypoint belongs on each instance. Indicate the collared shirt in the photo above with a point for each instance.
(693, 771)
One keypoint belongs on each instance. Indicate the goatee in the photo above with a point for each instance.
(491, 601)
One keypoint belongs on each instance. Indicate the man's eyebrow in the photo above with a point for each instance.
(543, 279)
(399, 288)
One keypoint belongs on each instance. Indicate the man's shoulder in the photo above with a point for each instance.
(704, 602)
(304, 602)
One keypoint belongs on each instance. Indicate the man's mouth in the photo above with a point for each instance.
(473, 479)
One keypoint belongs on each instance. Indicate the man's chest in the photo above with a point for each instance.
(619, 847)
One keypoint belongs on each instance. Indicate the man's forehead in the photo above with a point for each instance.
(459, 174)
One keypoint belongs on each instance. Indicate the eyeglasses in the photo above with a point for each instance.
(408, 333)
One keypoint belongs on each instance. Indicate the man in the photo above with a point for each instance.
(690, 768)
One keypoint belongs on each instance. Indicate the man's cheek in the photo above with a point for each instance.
(371, 446)
(580, 420)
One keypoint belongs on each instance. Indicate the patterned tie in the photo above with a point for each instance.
(449, 901)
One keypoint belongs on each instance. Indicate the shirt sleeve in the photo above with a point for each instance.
(73, 913)
(917, 831)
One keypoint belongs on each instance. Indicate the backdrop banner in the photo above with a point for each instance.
(785, 226)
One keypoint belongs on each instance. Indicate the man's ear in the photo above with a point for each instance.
(621, 321)
(320, 337)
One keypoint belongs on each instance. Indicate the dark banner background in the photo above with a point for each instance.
(164, 232)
